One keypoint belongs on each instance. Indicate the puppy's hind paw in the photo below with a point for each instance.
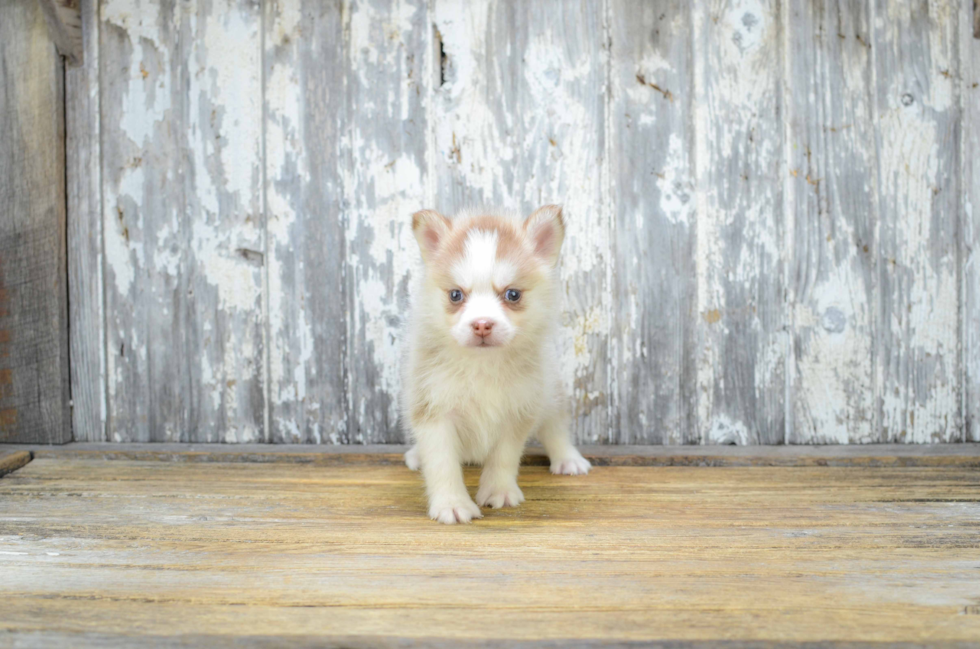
(454, 510)
(570, 465)
(412, 458)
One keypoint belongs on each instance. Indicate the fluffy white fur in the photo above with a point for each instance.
(473, 394)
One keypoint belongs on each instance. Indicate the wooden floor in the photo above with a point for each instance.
(99, 551)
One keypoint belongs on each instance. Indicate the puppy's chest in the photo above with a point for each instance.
(486, 394)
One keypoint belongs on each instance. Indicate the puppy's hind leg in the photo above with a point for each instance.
(412, 460)
(565, 458)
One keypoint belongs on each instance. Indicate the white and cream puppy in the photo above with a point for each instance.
(482, 373)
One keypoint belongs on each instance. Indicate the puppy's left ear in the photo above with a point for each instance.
(545, 230)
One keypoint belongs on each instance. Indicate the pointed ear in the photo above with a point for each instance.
(430, 229)
(545, 229)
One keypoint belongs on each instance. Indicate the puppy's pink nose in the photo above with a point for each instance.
(482, 327)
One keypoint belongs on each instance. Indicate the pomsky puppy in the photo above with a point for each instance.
(482, 371)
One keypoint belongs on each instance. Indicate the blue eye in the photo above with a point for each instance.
(455, 295)
(512, 295)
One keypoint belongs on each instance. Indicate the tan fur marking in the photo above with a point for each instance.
(513, 245)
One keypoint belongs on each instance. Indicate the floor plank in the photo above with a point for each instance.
(96, 552)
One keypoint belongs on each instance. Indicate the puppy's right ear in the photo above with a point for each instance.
(431, 228)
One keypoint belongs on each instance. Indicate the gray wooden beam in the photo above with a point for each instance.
(34, 388)
(85, 289)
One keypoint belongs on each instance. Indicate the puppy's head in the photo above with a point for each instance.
(489, 279)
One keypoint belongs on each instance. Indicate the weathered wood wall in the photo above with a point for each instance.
(34, 401)
(772, 210)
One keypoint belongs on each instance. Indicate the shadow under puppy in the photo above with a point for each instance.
(482, 369)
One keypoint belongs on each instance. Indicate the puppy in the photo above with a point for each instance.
(482, 372)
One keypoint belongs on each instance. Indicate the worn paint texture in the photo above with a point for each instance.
(651, 196)
(740, 251)
(918, 358)
(771, 210)
(304, 298)
(832, 213)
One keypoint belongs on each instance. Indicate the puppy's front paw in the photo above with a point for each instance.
(496, 496)
(412, 458)
(570, 464)
(452, 509)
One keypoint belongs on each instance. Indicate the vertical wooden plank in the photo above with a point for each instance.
(969, 41)
(651, 174)
(183, 220)
(222, 170)
(740, 167)
(34, 387)
(918, 139)
(832, 269)
(519, 118)
(140, 188)
(85, 296)
(385, 171)
(304, 122)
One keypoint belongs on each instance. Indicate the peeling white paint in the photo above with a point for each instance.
(478, 140)
(676, 192)
(919, 395)
(146, 89)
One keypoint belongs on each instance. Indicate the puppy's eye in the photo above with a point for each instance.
(512, 295)
(455, 296)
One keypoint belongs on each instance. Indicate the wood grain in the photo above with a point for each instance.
(85, 262)
(833, 249)
(183, 220)
(34, 384)
(740, 229)
(918, 170)
(304, 122)
(243, 550)
(969, 237)
(650, 154)
(519, 121)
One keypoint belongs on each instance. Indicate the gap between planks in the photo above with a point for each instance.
(871, 455)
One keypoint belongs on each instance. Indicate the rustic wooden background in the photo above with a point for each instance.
(773, 210)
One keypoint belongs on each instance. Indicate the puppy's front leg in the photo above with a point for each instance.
(438, 451)
(498, 482)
